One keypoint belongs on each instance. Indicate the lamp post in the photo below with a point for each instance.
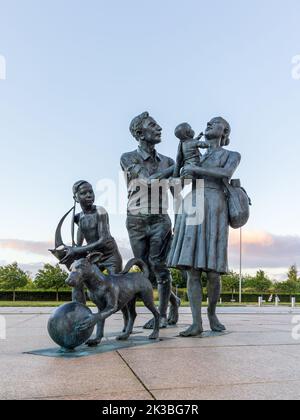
(240, 286)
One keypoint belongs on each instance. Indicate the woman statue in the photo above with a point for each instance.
(203, 247)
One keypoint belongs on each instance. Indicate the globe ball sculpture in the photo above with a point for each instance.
(63, 323)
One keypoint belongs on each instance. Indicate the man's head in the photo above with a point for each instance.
(184, 132)
(145, 128)
(83, 193)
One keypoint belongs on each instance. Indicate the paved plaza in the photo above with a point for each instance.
(257, 358)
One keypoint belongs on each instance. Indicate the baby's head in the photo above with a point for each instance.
(83, 193)
(184, 132)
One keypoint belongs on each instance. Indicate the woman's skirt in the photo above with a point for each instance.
(202, 246)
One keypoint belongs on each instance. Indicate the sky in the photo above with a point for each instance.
(78, 72)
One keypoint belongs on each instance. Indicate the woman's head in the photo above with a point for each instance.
(218, 128)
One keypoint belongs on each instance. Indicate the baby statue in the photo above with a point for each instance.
(188, 151)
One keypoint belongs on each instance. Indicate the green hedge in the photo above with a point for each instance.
(66, 296)
(246, 297)
(36, 296)
(253, 297)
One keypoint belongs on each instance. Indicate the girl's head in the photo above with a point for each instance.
(218, 128)
(83, 193)
(184, 132)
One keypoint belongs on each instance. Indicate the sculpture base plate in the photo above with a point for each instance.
(209, 334)
(105, 347)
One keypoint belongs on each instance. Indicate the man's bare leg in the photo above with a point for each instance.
(164, 292)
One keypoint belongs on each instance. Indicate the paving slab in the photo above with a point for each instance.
(100, 396)
(205, 366)
(257, 358)
(34, 377)
(267, 391)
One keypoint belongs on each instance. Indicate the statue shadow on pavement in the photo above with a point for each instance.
(108, 345)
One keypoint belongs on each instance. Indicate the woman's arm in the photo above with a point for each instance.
(226, 172)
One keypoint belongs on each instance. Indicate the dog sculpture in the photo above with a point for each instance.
(111, 293)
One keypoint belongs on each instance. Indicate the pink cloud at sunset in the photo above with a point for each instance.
(261, 250)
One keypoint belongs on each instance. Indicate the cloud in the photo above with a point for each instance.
(29, 247)
(262, 249)
(42, 248)
(33, 268)
(19, 248)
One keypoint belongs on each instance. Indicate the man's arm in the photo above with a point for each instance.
(166, 173)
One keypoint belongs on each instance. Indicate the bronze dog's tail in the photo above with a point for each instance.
(140, 264)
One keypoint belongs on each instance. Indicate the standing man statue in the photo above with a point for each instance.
(148, 223)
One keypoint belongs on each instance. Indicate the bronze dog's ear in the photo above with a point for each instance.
(94, 257)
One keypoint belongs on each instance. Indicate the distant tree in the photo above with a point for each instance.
(230, 282)
(291, 285)
(30, 285)
(12, 278)
(260, 283)
(288, 286)
(179, 278)
(204, 282)
(293, 274)
(51, 277)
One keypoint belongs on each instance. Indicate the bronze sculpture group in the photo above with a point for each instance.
(195, 248)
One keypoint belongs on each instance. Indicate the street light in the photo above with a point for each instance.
(240, 286)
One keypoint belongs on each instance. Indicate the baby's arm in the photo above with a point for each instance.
(199, 137)
(202, 145)
(179, 161)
